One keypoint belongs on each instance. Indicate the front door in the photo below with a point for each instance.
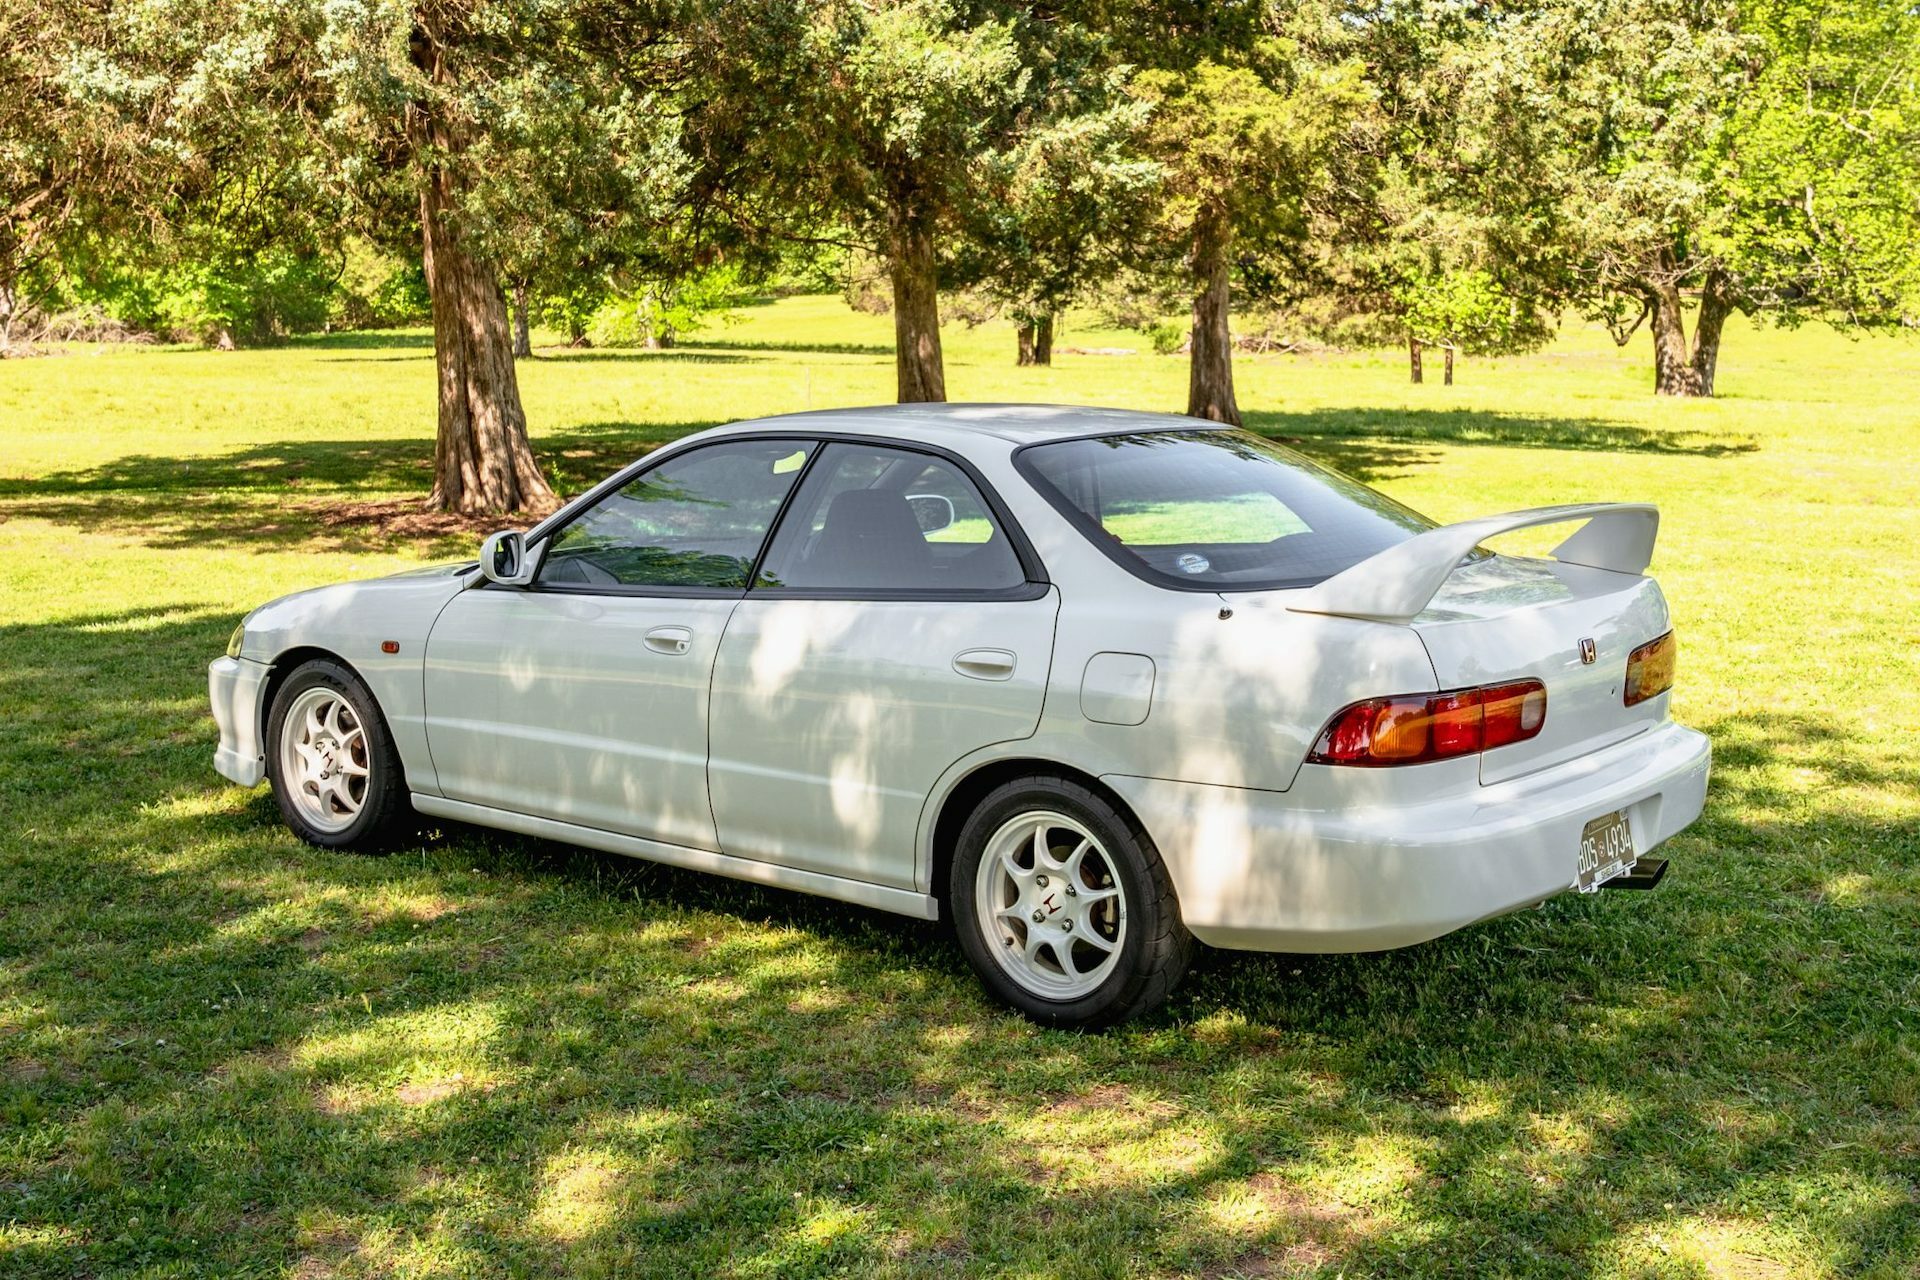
(583, 697)
(892, 630)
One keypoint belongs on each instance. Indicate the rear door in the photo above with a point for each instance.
(583, 697)
(896, 626)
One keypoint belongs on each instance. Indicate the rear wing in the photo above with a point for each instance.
(1395, 585)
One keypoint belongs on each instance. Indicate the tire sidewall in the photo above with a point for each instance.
(380, 755)
(1125, 857)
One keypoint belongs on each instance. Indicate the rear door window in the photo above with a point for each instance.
(871, 520)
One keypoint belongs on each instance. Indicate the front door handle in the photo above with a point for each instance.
(984, 664)
(672, 641)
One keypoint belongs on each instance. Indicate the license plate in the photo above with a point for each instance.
(1606, 851)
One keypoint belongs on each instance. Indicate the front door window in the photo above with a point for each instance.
(695, 521)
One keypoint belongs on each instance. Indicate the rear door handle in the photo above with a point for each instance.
(672, 641)
(984, 664)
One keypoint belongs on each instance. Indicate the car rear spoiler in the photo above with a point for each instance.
(1396, 584)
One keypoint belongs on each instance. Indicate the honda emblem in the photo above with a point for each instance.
(1587, 652)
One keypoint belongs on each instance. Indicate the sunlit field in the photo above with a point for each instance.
(225, 1053)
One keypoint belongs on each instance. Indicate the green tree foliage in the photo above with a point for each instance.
(1456, 173)
(1762, 158)
(1465, 311)
(1257, 119)
(1826, 220)
(868, 123)
(482, 136)
(196, 284)
(88, 138)
(1439, 236)
(1069, 200)
(657, 314)
(1246, 151)
(958, 144)
(530, 135)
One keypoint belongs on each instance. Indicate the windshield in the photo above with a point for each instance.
(1216, 510)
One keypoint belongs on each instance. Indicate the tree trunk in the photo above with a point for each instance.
(1413, 359)
(482, 460)
(659, 332)
(1714, 309)
(1447, 380)
(1210, 364)
(1024, 332)
(1043, 339)
(1672, 357)
(522, 338)
(916, 309)
(577, 333)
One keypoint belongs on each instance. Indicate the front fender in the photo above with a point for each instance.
(354, 621)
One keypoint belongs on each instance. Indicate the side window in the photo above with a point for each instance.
(877, 519)
(697, 520)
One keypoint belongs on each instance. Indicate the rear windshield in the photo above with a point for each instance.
(1216, 510)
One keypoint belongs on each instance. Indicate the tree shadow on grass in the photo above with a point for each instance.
(319, 494)
(227, 1050)
(802, 347)
(576, 355)
(1334, 431)
(621, 355)
(365, 340)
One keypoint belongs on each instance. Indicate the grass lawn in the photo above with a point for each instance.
(225, 1053)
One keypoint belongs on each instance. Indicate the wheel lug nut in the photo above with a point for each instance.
(1041, 881)
(1039, 916)
(1066, 926)
(1072, 892)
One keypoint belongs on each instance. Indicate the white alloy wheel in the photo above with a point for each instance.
(324, 758)
(1050, 906)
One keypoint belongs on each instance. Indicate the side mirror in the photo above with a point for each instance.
(503, 559)
(933, 511)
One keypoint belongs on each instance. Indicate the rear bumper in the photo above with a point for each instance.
(234, 686)
(1339, 863)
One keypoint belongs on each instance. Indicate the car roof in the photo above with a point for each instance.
(958, 425)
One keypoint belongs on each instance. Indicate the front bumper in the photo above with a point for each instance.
(1341, 862)
(235, 686)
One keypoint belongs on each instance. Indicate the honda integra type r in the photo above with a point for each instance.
(1092, 684)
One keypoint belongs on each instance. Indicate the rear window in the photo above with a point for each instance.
(1216, 510)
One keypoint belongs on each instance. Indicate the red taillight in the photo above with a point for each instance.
(1432, 726)
(1650, 669)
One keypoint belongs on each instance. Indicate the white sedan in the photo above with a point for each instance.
(1094, 683)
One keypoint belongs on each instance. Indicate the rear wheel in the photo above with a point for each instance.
(1063, 906)
(334, 770)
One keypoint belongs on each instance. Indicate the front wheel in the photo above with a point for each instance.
(1063, 906)
(332, 763)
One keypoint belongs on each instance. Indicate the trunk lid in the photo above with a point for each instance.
(1501, 618)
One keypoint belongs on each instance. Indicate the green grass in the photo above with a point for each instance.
(222, 1052)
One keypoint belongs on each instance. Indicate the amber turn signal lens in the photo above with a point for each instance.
(1650, 669)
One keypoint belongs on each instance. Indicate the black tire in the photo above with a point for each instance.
(384, 805)
(1155, 948)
